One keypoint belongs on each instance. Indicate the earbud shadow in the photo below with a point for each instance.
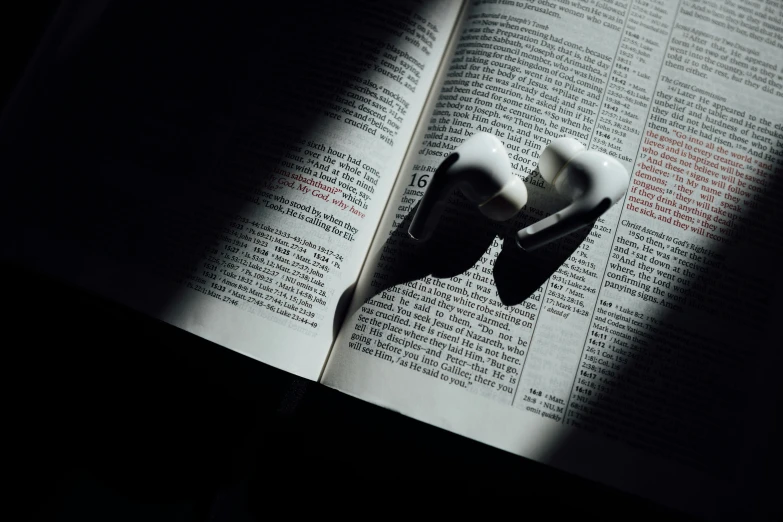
(458, 243)
(519, 273)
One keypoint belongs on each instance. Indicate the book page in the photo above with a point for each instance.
(222, 167)
(636, 351)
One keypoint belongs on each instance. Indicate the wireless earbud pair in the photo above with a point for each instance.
(480, 168)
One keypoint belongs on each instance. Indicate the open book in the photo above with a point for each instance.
(635, 352)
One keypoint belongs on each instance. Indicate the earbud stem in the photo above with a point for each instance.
(432, 203)
(559, 224)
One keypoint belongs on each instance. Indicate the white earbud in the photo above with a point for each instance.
(592, 180)
(480, 168)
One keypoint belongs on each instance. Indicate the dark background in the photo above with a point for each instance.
(112, 415)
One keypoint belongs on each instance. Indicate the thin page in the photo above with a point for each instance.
(221, 167)
(633, 351)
